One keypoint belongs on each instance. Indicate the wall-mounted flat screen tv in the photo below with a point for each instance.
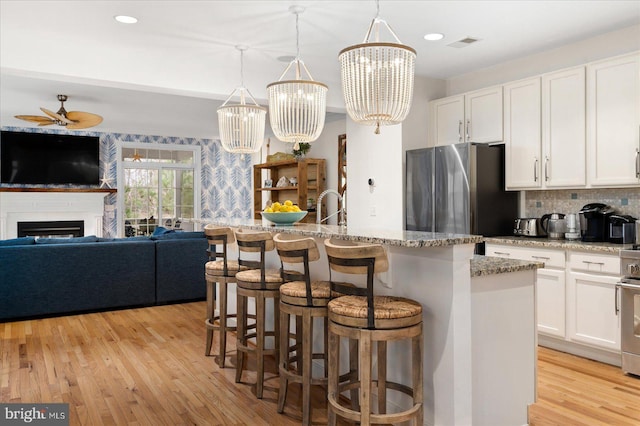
(49, 159)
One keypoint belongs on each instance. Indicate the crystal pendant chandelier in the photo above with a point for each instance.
(241, 125)
(377, 78)
(297, 107)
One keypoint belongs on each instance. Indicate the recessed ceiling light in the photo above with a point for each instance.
(124, 19)
(434, 36)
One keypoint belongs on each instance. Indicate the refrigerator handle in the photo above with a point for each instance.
(468, 137)
(535, 169)
(459, 130)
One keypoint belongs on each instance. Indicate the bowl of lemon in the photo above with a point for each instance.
(285, 213)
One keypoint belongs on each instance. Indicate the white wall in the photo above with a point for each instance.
(611, 44)
(415, 127)
(378, 157)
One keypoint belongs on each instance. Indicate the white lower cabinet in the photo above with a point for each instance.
(550, 300)
(592, 310)
(576, 299)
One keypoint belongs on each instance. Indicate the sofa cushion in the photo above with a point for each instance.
(73, 240)
(22, 241)
(160, 230)
(178, 235)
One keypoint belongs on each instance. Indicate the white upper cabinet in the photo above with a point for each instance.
(447, 118)
(564, 129)
(522, 134)
(483, 115)
(613, 117)
(473, 117)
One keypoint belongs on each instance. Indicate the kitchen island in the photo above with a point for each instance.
(479, 319)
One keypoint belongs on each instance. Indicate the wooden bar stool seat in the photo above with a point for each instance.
(222, 272)
(368, 319)
(261, 284)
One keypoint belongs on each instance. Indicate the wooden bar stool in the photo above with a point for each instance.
(367, 318)
(220, 272)
(305, 300)
(259, 283)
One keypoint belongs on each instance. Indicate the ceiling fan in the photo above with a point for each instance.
(71, 119)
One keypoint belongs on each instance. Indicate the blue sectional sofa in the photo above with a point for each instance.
(48, 277)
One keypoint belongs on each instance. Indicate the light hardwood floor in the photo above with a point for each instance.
(147, 367)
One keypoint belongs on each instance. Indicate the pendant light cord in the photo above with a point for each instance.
(377, 8)
(297, 37)
(242, 67)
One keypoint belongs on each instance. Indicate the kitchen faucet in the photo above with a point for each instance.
(319, 219)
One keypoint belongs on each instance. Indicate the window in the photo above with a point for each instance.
(158, 185)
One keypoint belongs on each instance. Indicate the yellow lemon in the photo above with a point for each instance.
(288, 203)
(268, 210)
(296, 209)
(276, 205)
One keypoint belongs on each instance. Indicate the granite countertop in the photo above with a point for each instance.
(414, 239)
(602, 247)
(488, 265)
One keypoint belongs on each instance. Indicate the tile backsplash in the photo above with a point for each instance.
(624, 200)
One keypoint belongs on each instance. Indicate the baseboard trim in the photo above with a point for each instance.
(601, 355)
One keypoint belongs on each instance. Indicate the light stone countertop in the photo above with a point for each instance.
(413, 239)
(602, 247)
(489, 265)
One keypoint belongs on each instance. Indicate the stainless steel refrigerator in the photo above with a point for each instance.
(459, 189)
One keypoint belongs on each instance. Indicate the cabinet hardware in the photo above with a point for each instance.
(546, 169)
(535, 170)
(502, 253)
(637, 163)
(593, 263)
(617, 309)
(459, 130)
(541, 257)
(467, 130)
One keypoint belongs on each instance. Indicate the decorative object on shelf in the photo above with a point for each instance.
(293, 181)
(241, 125)
(377, 78)
(302, 150)
(279, 156)
(297, 107)
(268, 183)
(72, 120)
(282, 182)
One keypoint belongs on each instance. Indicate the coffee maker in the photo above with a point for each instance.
(593, 221)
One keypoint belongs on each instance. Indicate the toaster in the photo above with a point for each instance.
(528, 227)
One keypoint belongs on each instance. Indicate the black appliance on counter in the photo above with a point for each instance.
(594, 220)
(621, 229)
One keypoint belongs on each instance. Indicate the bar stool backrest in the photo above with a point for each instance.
(219, 235)
(353, 258)
(254, 242)
(297, 250)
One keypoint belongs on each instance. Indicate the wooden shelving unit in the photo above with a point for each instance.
(311, 175)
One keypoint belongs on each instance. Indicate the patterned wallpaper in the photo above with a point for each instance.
(225, 182)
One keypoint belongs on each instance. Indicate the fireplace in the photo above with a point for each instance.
(56, 228)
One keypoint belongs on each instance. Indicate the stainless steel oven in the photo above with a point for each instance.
(630, 309)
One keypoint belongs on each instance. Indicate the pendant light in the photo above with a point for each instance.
(241, 125)
(377, 78)
(297, 107)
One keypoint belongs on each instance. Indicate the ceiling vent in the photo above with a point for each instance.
(463, 42)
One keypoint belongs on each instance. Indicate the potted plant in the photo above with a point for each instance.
(303, 148)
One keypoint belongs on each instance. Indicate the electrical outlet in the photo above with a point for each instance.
(372, 210)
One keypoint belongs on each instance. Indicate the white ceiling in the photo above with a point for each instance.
(167, 74)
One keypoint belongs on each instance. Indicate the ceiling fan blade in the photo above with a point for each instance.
(36, 119)
(83, 120)
(56, 116)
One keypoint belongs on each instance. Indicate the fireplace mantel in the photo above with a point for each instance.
(39, 204)
(34, 189)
